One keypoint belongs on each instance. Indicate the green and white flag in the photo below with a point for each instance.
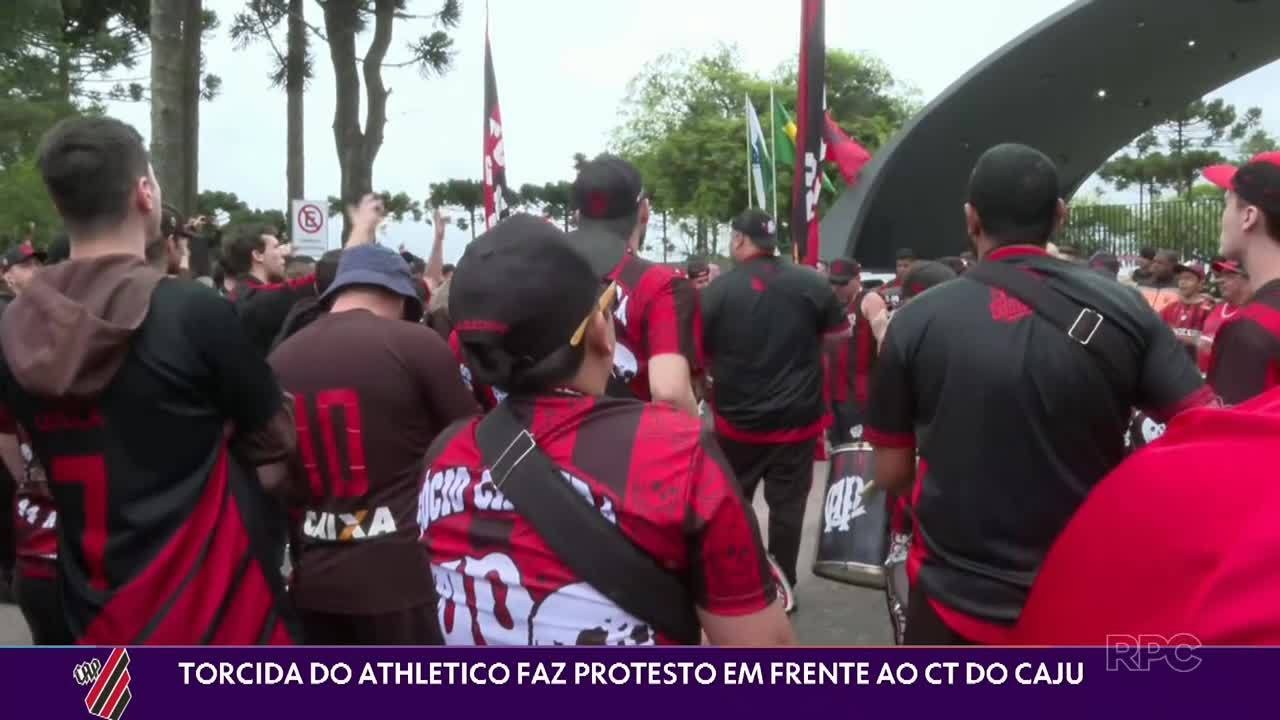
(761, 166)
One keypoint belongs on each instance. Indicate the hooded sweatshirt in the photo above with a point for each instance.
(149, 410)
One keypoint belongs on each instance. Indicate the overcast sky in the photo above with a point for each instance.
(562, 68)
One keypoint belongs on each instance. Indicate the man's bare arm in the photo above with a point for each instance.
(670, 382)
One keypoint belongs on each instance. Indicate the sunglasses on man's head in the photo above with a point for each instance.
(603, 305)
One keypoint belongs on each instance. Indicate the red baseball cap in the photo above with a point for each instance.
(1257, 181)
(1159, 549)
(1228, 267)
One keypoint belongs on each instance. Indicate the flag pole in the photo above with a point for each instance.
(773, 152)
(747, 121)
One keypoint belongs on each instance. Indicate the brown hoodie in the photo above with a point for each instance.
(68, 333)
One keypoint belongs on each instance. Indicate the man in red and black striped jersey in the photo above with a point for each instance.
(365, 418)
(35, 583)
(849, 363)
(1246, 352)
(150, 411)
(532, 319)
(892, 290)
(1187, 314)
(766, 324)
(659, 324)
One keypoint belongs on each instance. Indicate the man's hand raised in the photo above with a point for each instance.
(364, 218)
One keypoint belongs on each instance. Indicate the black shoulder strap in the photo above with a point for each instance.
(1085, 325)
(578, 534)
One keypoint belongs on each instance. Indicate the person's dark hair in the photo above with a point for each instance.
(59, 249)
(925, 275)
(90, 166)
(1014, 189)
(327, 270)
(1171, 255)
(240, 242)
(447, 269)
(1147, 253)
(418, 266)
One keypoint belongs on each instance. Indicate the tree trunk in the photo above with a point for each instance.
(472, 210)
(192, 30)
(357, 148)
(295, 86)
(168, 130)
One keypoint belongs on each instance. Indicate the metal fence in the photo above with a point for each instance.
(1189, 227)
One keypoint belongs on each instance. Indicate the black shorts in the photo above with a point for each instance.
(418, 625)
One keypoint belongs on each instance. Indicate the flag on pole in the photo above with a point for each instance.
(495, 164)
(784, 140)
(759, 157)
(847, 154)
(810, 150)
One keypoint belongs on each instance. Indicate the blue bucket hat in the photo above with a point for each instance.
(376, 266)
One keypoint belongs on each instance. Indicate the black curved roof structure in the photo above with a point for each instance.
(1079, 86)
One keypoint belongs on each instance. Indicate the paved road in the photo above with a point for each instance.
(830, 613)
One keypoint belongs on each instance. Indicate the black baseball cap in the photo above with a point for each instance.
(19, 254)
(1194, 268)
(172, 222)
(1256, 182)
(923, 276)
(607, 194)
(1015, 191)
(518, 296)
(842, 270)
(757, 225)
(376, 266)
(906, 254)
(1105, 262)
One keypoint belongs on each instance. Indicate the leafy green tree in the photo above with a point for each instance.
(683, 125)
(358, 143)
(1259, 142)
(1170, 155)
(465, 194)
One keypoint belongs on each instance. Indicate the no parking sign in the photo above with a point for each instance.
(310, 228)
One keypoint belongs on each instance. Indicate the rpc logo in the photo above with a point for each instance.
(1140, 652)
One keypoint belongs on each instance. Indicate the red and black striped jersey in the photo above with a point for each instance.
(1246, 351)
(849, 364)
(658, 313)
(645, 468)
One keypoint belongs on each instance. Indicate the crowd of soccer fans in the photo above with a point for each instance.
(558, 441)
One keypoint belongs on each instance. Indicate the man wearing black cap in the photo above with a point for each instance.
(1052, 379)
(658, 320)
(765, 322)
(366, 417)
(20, 264)
(849, 363)
(1246, 353)
(892, 290)
(1105, 264)
(1142, 274)
(533, 319)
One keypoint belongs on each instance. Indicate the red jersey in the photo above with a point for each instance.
(1221, 312)
(36, 528)
(848, 365)
(658, 314)
(1225, 590)
(646, 468)
(1187, 318)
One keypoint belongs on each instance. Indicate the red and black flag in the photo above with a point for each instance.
(110, 693)
(810, 149)
(495, 163)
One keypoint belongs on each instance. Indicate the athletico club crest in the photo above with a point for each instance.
(109, 693)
